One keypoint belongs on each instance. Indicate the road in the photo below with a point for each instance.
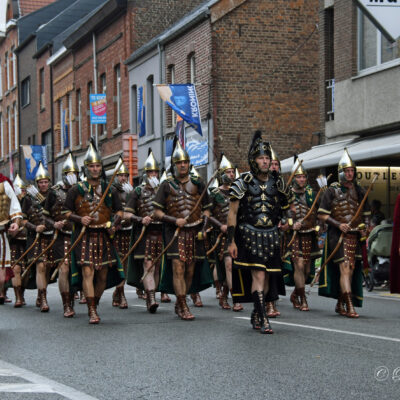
(135, 355)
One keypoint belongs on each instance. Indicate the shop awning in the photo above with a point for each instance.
(329, 154)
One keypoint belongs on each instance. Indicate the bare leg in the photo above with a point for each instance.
(101, 282)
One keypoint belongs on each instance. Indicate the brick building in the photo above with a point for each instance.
(359, 88)
(255, 65)
(10, 13)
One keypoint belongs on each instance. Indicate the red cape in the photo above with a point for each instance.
(4, 178)
(394, 254)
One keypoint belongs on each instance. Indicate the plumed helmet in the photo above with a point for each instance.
(257, 148)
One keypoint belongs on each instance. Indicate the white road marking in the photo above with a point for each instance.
(320, 328)
(38, 383)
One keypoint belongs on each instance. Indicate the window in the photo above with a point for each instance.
(79, 114)
(89, 92)
(13, 66)
(60, 119)
(41, 88)
(6, 71)
(192, 68)
(134, 111)
(118, 95)
(2, 145)
(150, 105)
(70, 126)
(9, 123)
(25, 92)
(374, 48)
(171, 116)
(103, 83)
(46, 140)
(15, 112)
(1, 80)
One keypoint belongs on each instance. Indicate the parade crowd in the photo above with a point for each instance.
(250, 235)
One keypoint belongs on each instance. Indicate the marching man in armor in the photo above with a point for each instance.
(340, 204)
(176, 206)
(254, 213)
(122, 237)
(140, 210)
(10, 215)
(55, 215)
(220, 199)
(305, 243)
(39, 235)
(94, 261)
(17, 247)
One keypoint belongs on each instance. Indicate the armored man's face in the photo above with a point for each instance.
(43, 185)
(95, 170)
(263, 162)
(230, 173)
(275, 166)
(349, 174)
(301, 180)
(182, 168)
(123, 178)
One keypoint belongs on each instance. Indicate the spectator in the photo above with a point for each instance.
(377, 215)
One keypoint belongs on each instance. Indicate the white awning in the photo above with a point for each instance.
(329, 154)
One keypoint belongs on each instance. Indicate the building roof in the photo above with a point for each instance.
(28, 24)
(64, 20)
(197, 14)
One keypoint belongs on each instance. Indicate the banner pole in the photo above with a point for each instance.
(130, 160)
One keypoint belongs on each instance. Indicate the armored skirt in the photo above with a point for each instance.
(149, 248)
(258, 249)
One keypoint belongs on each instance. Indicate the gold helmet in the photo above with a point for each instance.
(225, 164)
(193, 171)
(163, 177)
(179, 154)
(151, 163)
(237, 174)
(345, 162)
(42, 173)
(123, 168)
(19, 182)
(70, 165)
(92, 156)
(274, 156)
(214, 183)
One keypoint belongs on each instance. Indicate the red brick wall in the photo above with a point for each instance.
(261, 82)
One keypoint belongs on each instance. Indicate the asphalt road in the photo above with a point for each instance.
(135, 355)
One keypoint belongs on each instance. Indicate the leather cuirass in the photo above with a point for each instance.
(345, 206)
(35, 213)
(260, 205)
(85, 204)
(145, 205)
(5, 202)
(57, 211)
(221, 209)
(180, 201)
(301, 210)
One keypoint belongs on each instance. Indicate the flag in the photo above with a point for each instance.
(64, 128)
(182, 98)
(33, 155)
(180, 130)
(141, 110)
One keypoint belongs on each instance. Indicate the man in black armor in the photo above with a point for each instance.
(254, 212)
(122, 237)
(55, 216)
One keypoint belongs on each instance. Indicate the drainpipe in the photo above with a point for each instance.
(161, 107)
(52, 118)
(95, 84)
